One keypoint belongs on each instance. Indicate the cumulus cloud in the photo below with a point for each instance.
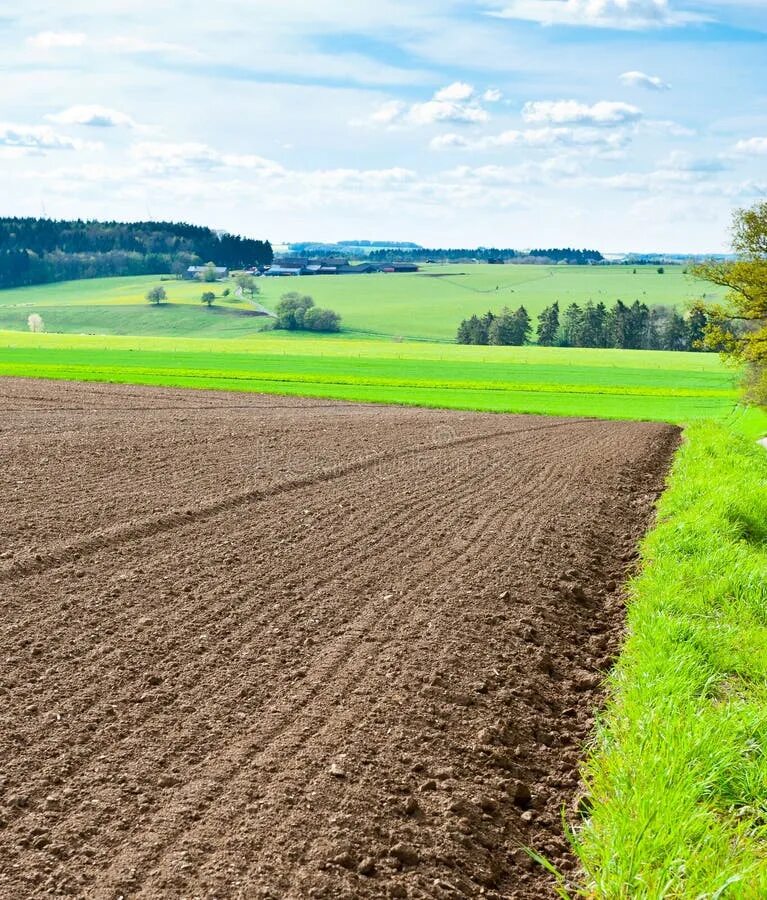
(39, 138)
(570, 112)
(492, 95)
(755, 146)
(456, 91)
(620, 14)
(95, 116)
(458, 103)
(52, 40)
(641, 79)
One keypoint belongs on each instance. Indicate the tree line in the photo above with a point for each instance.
(486, 254)
(37, 251)
(624, 327)
(508, 328)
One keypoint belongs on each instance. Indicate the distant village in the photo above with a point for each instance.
(292, 266)
(296, 265)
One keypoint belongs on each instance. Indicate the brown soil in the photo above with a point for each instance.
(262, 647)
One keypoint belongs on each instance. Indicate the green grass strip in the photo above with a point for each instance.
(678, 774)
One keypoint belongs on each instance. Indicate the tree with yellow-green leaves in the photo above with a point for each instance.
(738, 327)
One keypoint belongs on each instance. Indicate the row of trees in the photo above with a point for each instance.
(634, 327)
(506, 329)
(36, 251)
(637, 327)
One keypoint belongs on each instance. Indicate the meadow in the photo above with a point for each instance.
(649, 385)
(426, 305)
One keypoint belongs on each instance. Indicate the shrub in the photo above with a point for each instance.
(316, 319)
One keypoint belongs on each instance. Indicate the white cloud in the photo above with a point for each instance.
(641, 79)
(755, 146)
(620, 14)
(96, 116)
(492, 95)
(665, 127)
(457, 103)
(570, 112)
(456, 91)
(389, 112)
(51, 40)
(541, 138)
(446, 111)
(679, 171)
(40, 138)
(158, 157)
(126, 44)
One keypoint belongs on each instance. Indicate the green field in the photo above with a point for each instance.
(427, 305)
(674, 387)
(396, 346)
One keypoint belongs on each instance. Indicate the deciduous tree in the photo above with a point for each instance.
(738, 326)
(156, 295)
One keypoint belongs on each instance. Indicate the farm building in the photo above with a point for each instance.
(297, 266)
(198, 271)
(284, 271)
(291, 262)
(399, 267)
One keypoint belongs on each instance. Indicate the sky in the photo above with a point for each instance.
(620, 125)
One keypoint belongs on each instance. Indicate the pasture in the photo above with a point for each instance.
(426, 305)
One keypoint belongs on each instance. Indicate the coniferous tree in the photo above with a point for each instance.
(618, 326)
(502, 330)
(637, 325)
(523, 326)
(572, 326)
(548, 325)
(464, 333)
(657, 325)
(677, 334)
(697, 326)
(592, 326)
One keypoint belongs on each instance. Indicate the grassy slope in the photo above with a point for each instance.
(679, 774)
(424, 306)
(672, 387)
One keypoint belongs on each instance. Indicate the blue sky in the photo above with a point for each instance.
(617, 124)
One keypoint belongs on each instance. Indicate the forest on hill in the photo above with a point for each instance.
(568, 255)
(38, 251)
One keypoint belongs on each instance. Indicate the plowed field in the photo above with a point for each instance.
(261, 647)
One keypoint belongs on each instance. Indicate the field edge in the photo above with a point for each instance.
(677, 775)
